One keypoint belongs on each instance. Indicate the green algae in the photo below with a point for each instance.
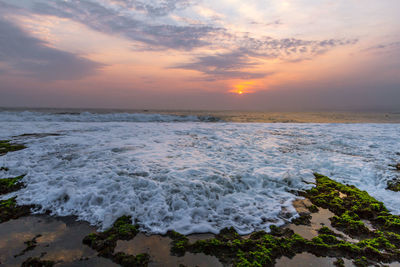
(179, 243)
(105, 242)
(327, 231)
(350, 209)
(313, 208)
(393, 185)
(303, 219)
(339, 263)
(127, 260)
(8, 185)
(10, 210)
(350, 224)
(6, 146)
(361, 262)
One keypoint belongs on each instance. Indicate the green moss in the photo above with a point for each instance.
(348, 248)
(127, 260)
(327, 239)
(393, 186)
(350, 224)
(6, 146)
(392, 237)
(303, 219)
(389, 222)
(325, 230)
(8, 185)
(339, 263)
(178, 244)
(352, 208)
(105, 242)
(10, 210)
(275, 231)
(260, 249)
(379, 242)
(124, 228)
(361, 262)
(313, 208)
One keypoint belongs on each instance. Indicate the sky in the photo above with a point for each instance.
(276, 55)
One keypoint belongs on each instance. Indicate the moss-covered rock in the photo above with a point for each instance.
(303, 219)
(127, 260)
(313, 208)
(105, 243)
(8, 185)
(327, 231)
(350, 210)
(179, 243)
(10, 210)
(393, 185)
(339, 263)
(6, 146)
(361, 262)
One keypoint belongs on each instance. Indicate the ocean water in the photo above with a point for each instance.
(188, 173)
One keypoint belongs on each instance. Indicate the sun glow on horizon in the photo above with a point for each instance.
(244, 87)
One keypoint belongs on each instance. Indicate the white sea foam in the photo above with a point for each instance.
(193, 176)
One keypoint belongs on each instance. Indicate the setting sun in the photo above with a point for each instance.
(244, 87)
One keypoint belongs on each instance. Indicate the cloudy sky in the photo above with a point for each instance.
(283, 55)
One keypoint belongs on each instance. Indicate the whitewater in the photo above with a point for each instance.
(185, 173)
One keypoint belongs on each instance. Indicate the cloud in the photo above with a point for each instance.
(237, 62)
(143, 22)
(124, 17)
(113, 21)
(224, 66)
(154, 8)
(384, 46)
(289, 48)
(21, 52)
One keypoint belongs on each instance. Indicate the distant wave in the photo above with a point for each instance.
(21, 116)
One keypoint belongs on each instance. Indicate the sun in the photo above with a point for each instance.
(243, 87)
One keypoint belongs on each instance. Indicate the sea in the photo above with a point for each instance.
(193, 171)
